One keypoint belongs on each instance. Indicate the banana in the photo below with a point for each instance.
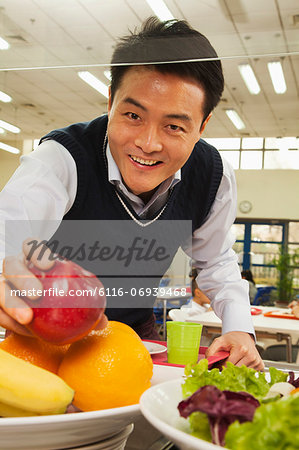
(11, 411)
(26, 387)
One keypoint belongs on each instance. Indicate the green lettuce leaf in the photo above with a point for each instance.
(277, 375)
(200, 427)
(231, 378)
(274, 426)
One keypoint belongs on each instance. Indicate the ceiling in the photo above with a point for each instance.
(51, 40)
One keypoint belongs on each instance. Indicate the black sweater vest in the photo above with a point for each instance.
(190, 199)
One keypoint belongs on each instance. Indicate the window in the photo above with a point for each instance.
(258, 152)
(258, 244)
(233, 157)
(251, 159)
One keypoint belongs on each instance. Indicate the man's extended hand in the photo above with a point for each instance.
(241, 347)
(14, 312)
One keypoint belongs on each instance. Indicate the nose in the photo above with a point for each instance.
(148, 139)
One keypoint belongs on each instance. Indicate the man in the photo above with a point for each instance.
(146, 162)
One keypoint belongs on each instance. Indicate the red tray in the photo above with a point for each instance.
(280, 315)
(161, 358)
(256, 311)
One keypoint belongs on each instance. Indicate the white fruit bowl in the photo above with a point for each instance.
(75, 429)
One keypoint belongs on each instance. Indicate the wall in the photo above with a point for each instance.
(272, 193)
(8, 164)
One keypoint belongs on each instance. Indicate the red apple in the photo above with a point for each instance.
(72, 303)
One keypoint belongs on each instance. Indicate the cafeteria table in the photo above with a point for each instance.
(265, 327)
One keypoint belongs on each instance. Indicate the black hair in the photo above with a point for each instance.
(247, 274)
(173, 40)
(194, 285)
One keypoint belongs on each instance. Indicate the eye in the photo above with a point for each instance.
(175, 128)
(132, 116)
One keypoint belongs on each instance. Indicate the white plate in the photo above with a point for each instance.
(154, 348)
(72, 430)
(159, 406)
(113, 443)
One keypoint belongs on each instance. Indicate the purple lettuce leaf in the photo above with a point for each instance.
(221, 407)
(292, 380)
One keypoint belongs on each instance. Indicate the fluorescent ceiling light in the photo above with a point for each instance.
(4, 97)
(249, 78)
(9, 127)
(94, 82)
(160, 9)
(2, 131)
(4, 45)
(9, 148)
(277, 77)
(235, 118)
(107, 74)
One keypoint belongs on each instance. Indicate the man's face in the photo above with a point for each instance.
(154, 122)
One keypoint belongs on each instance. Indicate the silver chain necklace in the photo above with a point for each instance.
(143, 223)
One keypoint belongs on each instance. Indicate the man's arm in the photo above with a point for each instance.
(220, 279)
(42, 189)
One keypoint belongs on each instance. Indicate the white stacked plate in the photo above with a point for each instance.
(159, 405)
(116, 442)
(106, 429)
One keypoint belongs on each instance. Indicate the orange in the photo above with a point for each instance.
(35, 351)
(108, 368)
(295, 391)
(124, 327)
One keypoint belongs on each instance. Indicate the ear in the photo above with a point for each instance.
(204, 124)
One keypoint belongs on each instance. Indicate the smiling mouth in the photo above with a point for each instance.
(145, 162)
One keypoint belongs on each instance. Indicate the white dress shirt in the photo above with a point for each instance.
(44, 188)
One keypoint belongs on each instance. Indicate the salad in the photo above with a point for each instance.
(239, 408)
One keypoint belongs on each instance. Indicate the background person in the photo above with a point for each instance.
(199, 302)
(199, 298)
(294, 305)
(145, 161)
(247, 275)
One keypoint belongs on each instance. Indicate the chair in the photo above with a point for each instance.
(158, 310)
(263, 295)
(159, 319)
(279, 353)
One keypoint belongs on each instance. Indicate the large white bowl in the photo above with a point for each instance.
(76, 429)
(159, 406)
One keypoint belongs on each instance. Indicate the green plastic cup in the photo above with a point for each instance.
(183, 339)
